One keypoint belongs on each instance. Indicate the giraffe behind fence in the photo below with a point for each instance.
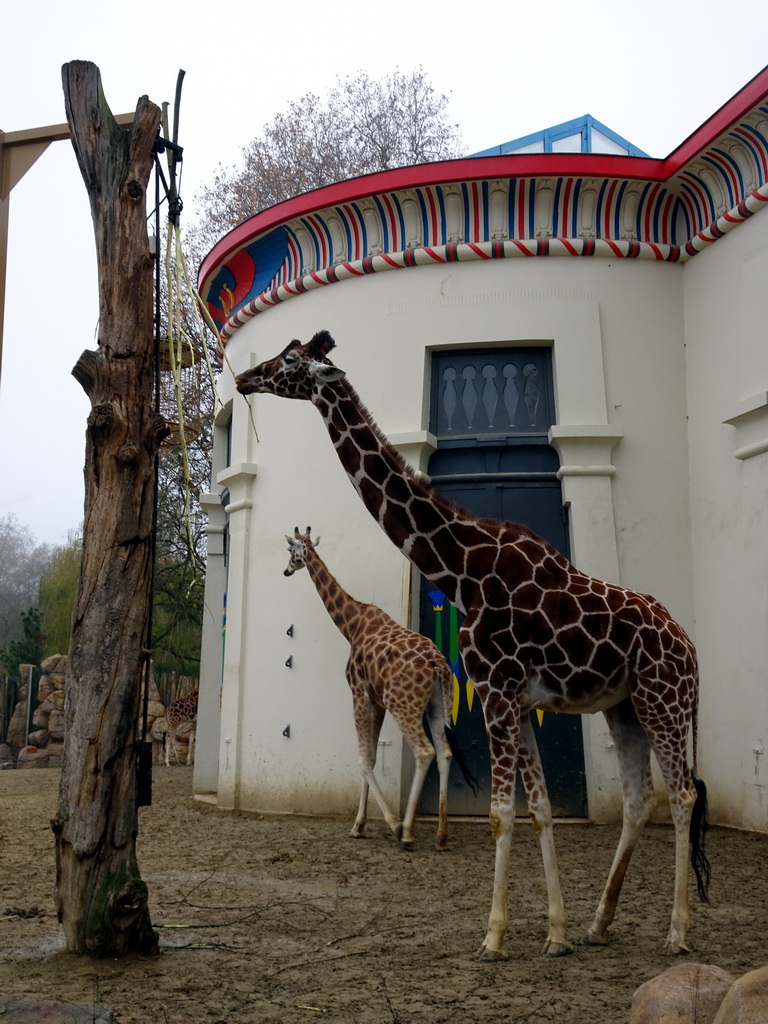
(178, 713)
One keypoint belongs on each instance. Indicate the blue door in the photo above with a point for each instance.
(491, 411)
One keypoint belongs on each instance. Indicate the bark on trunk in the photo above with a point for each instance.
(100, 896)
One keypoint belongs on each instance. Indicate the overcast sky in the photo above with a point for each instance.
(653, 72)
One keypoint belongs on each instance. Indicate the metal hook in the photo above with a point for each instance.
(289, 661)
(289, 631)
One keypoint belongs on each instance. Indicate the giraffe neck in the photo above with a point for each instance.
(430, 531)
(340, 606)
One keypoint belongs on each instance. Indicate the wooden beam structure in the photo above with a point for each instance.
(18, 152)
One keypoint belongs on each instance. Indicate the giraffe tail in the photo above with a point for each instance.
(698, 830)
(460, 760)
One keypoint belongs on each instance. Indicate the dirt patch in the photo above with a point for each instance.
(290, 920)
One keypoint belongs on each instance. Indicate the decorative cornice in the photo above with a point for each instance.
(497, 208)
(239, 473)
(585, 449)
(750, 418)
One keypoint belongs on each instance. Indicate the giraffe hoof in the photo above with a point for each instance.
(557, 948)
(491, 955)
(406, 843)
(590, 939)
(676, 949)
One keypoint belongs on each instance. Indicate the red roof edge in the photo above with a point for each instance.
(509, 166)
(730, 112)
(463, 169)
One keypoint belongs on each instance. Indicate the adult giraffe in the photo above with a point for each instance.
(537, 632)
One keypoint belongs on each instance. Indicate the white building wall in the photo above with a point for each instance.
(726, 311)
(617, 332)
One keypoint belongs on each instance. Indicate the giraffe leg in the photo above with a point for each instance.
(671, 757)
(540, 811)
(423, 755)
(358, 829)
(681, 805)
(503, 725)
(438, 721)
(634, 755)
(190, 749)
(368, 720)
(423, 751)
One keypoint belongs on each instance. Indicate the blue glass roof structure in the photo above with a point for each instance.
(581, 135)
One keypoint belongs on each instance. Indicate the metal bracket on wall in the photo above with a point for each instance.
(289, 631)
(287, 732)
(289, 661)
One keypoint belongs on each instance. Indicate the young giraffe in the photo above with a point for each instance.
(179, 711)
(537, 633)
(390, 668)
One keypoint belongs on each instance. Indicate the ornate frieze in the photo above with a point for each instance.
(658, 210)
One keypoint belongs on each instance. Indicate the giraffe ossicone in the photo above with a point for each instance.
(390, 668)
(537, 632)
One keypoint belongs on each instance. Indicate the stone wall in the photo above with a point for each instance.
(44, 746)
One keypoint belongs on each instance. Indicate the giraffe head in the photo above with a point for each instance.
(297, 546)
(296, 372)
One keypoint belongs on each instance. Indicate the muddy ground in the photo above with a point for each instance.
(290, 920)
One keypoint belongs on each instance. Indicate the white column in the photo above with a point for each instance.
(585, 472)
(206, 772)
(238, 479)
(750, 420)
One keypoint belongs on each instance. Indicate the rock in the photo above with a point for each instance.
(56, 663)
(47, 721)
(17, 728)
(31, 757)
(747, 1000)
(683, 994)
(155, 709)
(28, 1011)
(183, 732)
(40, 717)
(53, 702)
(56, 724)
(45, 686)
(7, 756)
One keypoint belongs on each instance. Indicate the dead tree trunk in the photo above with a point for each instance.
(100, 896)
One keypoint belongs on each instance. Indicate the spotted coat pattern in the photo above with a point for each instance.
(179, 712)
(537, 632)
(390, 668)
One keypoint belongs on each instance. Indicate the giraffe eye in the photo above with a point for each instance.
(290, 360)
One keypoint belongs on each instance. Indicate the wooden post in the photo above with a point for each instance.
(100, 896)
